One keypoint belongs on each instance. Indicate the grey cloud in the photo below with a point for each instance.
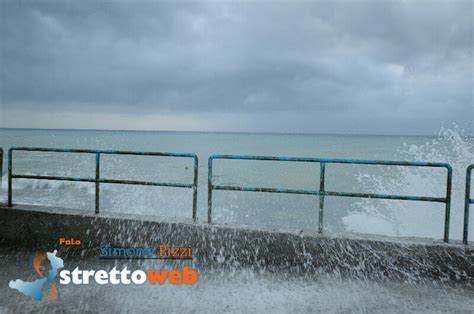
(378, 58)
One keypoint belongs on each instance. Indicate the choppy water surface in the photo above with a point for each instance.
(401, 218)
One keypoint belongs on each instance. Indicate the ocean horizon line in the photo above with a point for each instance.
(223, 132)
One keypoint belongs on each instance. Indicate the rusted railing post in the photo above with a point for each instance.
(467, 202)
(97, 182)
(195, 186)
(1, 167)
(447, 214)
(209, 190)
(10, 169)
(322, 170)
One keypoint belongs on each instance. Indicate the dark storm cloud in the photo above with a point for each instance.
(372, 62)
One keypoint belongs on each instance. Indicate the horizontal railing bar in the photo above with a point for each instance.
(268, 190)
(331, 160)
(24, 176)
(104, 152)
(109, 181)
(269, 158)
(132, 182)
(388, 196)
(329, 193)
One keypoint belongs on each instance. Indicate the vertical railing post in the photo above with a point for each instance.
(209, 190)
(1, 167)
(467, 203)
(195, 185)
(448, 204)
(97, 182)
(10, 170)
(322, 170)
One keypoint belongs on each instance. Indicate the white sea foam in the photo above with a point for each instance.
(417, 218)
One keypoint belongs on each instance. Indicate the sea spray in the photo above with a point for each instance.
(404, 218)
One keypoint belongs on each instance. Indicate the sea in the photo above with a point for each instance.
(276, 211)
(246, 290)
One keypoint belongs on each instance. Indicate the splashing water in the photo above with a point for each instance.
(420, 219)
(395, 218)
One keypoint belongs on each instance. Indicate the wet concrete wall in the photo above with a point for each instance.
(350, 255)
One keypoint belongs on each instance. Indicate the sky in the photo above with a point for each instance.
(351, 67)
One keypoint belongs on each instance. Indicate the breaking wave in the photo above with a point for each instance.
(404, 218)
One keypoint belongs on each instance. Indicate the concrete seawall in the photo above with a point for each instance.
(309, 253)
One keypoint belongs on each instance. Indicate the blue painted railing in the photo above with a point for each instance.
(97, 180)
(467, 201)
(322, 192)
(1, 167)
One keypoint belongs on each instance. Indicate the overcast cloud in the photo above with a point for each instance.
(385, 67)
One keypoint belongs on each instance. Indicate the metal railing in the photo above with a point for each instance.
(97, 180)
(322, 191)
(1, 167)
(467, 202)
